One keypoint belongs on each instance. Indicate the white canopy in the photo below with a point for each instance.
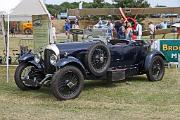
(21, 10)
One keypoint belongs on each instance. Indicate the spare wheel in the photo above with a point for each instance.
(98, 59)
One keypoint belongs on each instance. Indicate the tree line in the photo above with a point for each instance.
(56, 9)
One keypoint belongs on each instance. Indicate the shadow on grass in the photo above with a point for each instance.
(105, 84)
(142, 78)
(45, 93)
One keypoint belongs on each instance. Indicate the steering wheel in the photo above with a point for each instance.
(76, 31)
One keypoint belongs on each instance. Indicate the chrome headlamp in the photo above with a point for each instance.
(53, 59)
(37, 58)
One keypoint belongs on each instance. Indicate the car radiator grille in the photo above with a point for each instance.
(49, 69)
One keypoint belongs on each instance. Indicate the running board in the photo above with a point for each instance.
(116, 75)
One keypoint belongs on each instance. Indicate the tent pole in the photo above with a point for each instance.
(3, 32)
(7, 56)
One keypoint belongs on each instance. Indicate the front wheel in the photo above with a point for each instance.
(67, 83)
(156, 70)
(26, 78)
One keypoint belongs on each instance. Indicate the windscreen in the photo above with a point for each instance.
(40, 31)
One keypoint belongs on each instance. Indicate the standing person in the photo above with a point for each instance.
(139, 30)
(54, 33)
(76, 25)
(152, 29)
(129, 31)
(100, 23)
(67, 28)
(178, 32)
(122, 30)
(164, 26)
(110, 29)
(117, 26)
(12, 30)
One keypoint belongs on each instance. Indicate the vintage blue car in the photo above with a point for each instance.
(65, 66)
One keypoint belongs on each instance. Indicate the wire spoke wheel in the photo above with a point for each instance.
(26, 77)
(156, 70)
(67, 83)
(98, 59)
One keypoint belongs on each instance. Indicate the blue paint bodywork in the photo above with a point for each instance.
(133, 57)
(71, 61)
(29, 58)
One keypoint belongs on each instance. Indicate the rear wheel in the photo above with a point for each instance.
(156, 70)
(25, 77)
(67, 83)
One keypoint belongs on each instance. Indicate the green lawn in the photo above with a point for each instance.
(134, 98)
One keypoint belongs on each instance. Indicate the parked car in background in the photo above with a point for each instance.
(103, 24)
(63, 15)
(27, 27)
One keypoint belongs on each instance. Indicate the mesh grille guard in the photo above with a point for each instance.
(49, 69)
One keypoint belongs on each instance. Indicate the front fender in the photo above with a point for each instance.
(29, 58)
(71, 61)
(26, 57)
(150, 56)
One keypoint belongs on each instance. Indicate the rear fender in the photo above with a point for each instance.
(71, 61)
(150, 56)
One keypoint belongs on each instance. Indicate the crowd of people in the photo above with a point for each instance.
(124, 30)
(68, 26)
(121, 29)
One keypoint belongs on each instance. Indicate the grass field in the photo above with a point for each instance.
(132, 99)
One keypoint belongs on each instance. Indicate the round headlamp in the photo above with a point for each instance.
(37, 58)
(53, 59)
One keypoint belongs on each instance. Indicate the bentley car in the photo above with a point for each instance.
(65, 66)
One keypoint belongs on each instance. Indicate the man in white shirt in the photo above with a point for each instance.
(139, 31)
(163, 25)
(152, 29)
(54, 33)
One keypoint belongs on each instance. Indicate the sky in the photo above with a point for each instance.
(168, 3)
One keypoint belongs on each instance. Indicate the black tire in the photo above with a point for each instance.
(27, 31)
(156, 70)
(98, 59)
(19, 81)
(67, 83)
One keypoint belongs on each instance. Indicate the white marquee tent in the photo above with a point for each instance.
(20, 10)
